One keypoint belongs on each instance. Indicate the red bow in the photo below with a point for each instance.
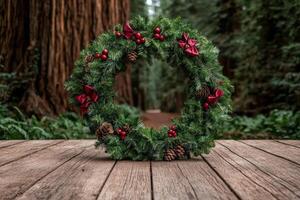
(212, 99)
(87, 98)
(189, 45)
(127, 31)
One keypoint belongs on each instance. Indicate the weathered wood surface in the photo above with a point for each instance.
(295, 143)
(128, 180)
(288, 152)
(73, 169)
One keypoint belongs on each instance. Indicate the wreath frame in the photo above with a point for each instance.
(118, 127)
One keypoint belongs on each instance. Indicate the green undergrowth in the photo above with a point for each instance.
(279, 124)
(15, 125)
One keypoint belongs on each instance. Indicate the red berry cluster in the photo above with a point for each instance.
(139, 39)
(122, 133)
(172, 131)
(103, 56)
(157, 34)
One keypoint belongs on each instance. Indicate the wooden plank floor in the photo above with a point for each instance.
(74, 169)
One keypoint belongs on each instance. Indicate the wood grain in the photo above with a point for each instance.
(295, 143)
(192, 179)
(287, 152)
(75, 170)
(246, 179)
(128, 180)
(284, 170)
(7, 143)
(19, 176)
(80, 178)
(13, 153)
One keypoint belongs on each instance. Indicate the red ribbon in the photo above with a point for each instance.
(87, 98)
(127, 31)
(189, 45)
(212, 99)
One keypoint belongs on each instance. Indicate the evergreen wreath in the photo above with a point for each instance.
(118, 127)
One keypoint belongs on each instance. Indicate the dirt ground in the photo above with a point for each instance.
(157, 120)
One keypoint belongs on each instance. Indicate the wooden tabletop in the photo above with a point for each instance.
(74, 169)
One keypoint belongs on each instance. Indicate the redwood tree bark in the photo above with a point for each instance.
(57, 30)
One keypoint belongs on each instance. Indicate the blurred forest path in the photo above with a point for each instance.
(157, 120)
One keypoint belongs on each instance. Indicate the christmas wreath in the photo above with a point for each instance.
(117, 127)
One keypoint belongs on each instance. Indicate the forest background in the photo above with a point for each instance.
(259, 43)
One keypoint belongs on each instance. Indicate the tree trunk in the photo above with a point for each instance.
(55, 31)
(123, 86)
(228, 26)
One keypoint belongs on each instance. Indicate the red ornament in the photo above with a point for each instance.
(205, 106)
(189, 45)
(127, 30)
(94, 97)
(87, 98)
(161, 38)
(157, 30)
(84, 107)
(138, 35)
(81, 98)
(88, 89)
(105, 52)
(103, 57)
(213, 99)
(143, 40)
(118, 34)
(156, 36)
(97, 55)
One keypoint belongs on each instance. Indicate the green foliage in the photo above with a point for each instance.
(15, 125)
(278, 124)
(138, 8)
(201, 14)
(268, 49)
(196, 128)
(13, 84)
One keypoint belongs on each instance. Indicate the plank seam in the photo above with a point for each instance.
(50, 145)
(249, 178)
(151, 181)
(268, 174)
(287, 144)
(219, 175)
(271, 153)
(21, 193)
(9, 145)
(102, 186)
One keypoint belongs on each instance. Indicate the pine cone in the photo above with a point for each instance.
(132, 56)
(88, 59)
(169, 155)
(104, 129)
(203, 93)
(180, 151)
